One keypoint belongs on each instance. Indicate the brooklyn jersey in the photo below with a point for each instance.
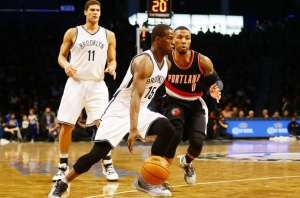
(89, 54)
(185, 82)
(153, 82)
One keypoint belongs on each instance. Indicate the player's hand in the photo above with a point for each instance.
(111, 71)
(215, 92)
(133, 136)
(70, 70)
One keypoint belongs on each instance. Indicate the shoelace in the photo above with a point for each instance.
(110, 169)
(166, 186)
(189, 170)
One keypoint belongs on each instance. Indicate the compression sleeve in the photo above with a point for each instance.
(214, 78)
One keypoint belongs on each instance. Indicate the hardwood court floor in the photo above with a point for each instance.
(235, 169)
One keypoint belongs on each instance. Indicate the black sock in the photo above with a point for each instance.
(107, 157)
(188, 159)
(63, 160)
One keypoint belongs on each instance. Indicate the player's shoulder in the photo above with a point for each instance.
(109, 32)
(71, 31)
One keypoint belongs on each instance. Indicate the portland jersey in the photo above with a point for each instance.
(89, 54)
(153, 82)
(185, 82)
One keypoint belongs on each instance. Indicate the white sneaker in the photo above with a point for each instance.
(189, 174)
(63, 171)
(153, 190)
(4, 142)
(109, 171)
(59, 189)
(110, 189)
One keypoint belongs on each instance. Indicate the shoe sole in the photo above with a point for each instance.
(112, 180)
(143, 190)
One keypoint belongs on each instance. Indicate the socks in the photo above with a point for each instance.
(63, 158)
(188, 160)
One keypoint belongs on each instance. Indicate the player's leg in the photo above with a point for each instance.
(83, 164)
(70, 107)
(196, 129)
(164, 131)
(96, 103)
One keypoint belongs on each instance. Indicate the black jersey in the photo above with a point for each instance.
(185, 82)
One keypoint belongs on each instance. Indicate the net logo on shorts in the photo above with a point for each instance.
(175, 112)
(250, 157)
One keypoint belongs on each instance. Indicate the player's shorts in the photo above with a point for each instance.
(115, 122)
(91, 95)
(194, 114)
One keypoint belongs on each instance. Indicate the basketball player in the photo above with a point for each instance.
(183, 104)
(147, 71)
(90, 46)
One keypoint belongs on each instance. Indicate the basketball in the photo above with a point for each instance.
(155, 170)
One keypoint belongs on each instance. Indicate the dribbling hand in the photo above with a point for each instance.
(133, 136)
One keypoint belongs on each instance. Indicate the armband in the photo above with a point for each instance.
(214, 78)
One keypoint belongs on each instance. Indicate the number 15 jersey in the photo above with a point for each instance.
(88, 54)
(159, 74)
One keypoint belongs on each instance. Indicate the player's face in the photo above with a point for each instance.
(93, 13)
(167, 42)
(182, 39)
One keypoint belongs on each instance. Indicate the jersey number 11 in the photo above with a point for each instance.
(91, 55)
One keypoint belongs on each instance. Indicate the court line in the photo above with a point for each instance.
(204, 183)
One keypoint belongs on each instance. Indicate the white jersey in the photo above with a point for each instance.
(89, 54)
(159, 74)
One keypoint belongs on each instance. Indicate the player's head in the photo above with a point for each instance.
(182, 39)
(92, 11)
(162, 38)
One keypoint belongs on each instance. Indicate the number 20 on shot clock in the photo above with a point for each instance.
(159, 8)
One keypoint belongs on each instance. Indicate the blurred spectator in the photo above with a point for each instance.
(241, 114)
(286, 114)
(34, 124)
(265, 113)
(25, 131)
(276, 114)
(53, 131)
(227, 113)
(47, 118)
(221, 129)
(235, 112)
(79, 132)
(11, 130)
(250, 114)
(211, 126)
(294, 127)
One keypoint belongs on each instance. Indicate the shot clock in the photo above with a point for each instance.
(159, 8)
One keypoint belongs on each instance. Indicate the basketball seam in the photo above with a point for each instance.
(153, 175)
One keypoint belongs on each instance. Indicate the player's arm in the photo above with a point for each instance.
(211, 76)
(111, 54)
(142, 68)
(64, 51)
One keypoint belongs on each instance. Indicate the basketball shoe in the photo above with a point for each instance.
(59, 189)
(189, 174)
(109, 171)
(63, 169)
(153, 190)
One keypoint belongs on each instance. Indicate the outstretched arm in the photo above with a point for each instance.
(142, 68)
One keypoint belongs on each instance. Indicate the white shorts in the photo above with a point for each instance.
(91, 95)
(115, 123)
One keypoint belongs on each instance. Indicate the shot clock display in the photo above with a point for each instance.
(159, 8)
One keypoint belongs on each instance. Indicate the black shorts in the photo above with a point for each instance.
(193, 115)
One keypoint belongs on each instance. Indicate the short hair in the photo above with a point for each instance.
(182, 28)
(91, 2)
(159, 30)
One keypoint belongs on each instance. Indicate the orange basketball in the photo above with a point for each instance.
(155, 170)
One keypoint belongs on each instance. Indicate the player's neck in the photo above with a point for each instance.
(182, 59)
(157, 55)
(91, 27)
